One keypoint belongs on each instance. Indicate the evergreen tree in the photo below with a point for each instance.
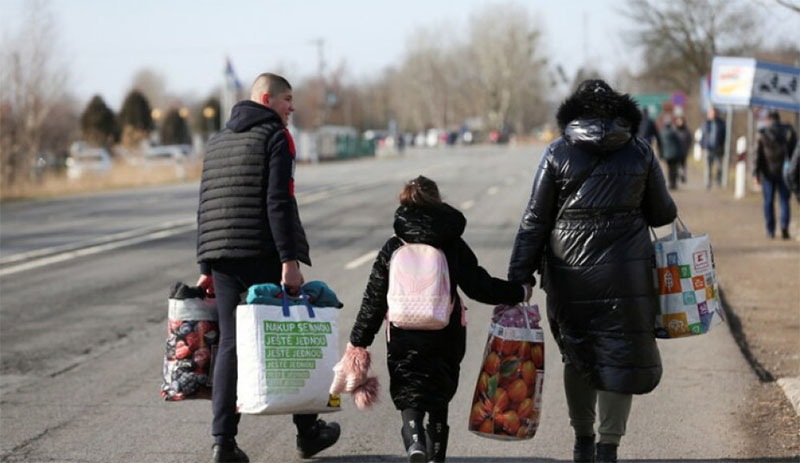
(174, 129)
(206, 117)
(136, 112)
(98, 123)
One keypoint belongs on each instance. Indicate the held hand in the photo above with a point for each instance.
(528, 288)
(291, 276)
(207, 283)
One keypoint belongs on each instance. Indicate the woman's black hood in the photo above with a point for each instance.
(598, 118)
(436, 225)
(596, 100)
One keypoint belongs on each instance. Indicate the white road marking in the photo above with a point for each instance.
(358, 262)
(492, 191)
(36, 263)
(467, 205)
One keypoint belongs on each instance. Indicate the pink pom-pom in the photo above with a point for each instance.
(366, 395)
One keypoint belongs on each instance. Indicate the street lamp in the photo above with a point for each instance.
(209, 113)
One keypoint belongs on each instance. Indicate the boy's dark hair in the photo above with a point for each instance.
(268, 82)
(420, 191)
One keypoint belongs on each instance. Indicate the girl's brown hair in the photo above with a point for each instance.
(420, 191)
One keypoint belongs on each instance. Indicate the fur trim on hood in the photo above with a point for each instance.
(594, 99)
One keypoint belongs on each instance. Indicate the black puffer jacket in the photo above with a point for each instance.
(424, 365)
(247, 205)
(598, 257)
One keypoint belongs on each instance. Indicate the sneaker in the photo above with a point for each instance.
(228, 454)
(322, 436)
(785, 233)
(417, 453)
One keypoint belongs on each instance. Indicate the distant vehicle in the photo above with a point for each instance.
(169, 154)
(88, 161)
(177, 156)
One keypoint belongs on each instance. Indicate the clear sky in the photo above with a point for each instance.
(104, 43)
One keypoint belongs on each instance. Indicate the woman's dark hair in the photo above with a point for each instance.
(420, 191)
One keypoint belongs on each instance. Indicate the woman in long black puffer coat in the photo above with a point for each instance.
(595, 259)
(424, 365)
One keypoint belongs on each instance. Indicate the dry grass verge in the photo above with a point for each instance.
(120, 176)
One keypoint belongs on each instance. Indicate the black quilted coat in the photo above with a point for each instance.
(598, 258)
(424, 365)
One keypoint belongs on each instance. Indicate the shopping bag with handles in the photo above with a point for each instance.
(286, 353)
(192, 339)
(686, 284)
(507, 400)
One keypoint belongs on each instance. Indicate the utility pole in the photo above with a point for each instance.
(321, 88)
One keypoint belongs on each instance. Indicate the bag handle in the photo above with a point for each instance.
(678, 229)
(303, 297)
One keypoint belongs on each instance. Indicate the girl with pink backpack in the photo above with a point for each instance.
(424, 358)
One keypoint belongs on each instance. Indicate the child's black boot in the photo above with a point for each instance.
(413, 433)
(437, 442)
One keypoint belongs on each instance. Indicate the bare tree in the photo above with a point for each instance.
(508, 68)
(33, 82)
(789, 4)
(422, 89)
(680, 38)
(153, 86)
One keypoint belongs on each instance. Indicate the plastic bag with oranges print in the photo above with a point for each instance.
(508, 394)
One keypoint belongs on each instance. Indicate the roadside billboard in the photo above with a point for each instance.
(748, 82)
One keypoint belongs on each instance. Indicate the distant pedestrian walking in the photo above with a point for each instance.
(672, 153)
(774, 144)
(687, 139)
(649, 130)
(712, 142)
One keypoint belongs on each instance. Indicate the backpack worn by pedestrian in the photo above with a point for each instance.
(775, 144)
(419, 288)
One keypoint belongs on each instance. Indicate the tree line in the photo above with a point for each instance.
(498, 75)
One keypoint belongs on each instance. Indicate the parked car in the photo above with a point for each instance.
(168, 154)
(177, 156)
(88, 161)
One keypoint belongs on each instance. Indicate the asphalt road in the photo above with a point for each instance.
(83, 306)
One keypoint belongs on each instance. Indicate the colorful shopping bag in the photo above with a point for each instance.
(286, 354)
(508, 394)
(192, 339)
(686, 283)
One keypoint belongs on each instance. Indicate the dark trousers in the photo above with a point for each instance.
(231, 279)
(714, 167)
(673, 170)
(770, 186)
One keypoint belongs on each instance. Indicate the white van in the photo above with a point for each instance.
(88, 161)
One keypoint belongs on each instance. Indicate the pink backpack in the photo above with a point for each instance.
(419, 288)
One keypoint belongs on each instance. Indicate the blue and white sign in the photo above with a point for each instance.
(747, 82)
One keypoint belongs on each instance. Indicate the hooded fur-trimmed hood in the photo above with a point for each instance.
(594, 99)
